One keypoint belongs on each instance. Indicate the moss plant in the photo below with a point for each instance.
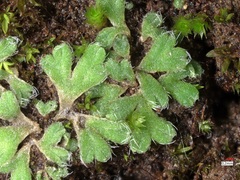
(27, 53)
(191, 24)
(205, 126)
(21, 5)
(6, 18)
(224, 16)
(95, 17)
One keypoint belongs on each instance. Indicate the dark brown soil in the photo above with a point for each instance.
(218, 103)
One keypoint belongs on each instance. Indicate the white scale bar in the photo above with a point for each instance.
(227, 163)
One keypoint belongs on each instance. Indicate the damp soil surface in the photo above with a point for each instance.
(193, 153)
